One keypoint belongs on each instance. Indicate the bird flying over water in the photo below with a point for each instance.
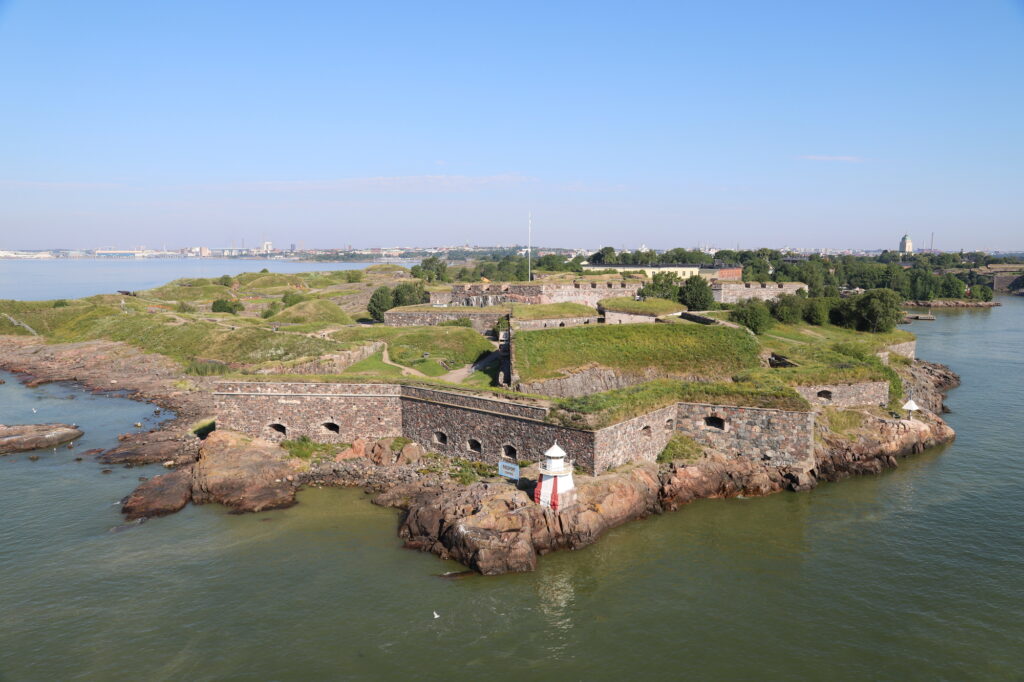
(436, 614)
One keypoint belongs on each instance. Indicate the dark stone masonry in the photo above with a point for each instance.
(489, 429)
(863, 394)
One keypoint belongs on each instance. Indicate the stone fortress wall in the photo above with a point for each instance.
(554, 322)
(734, 292)
(862, 394)
(488, 429)
(484, 294)
(613, 317)
(482, 322)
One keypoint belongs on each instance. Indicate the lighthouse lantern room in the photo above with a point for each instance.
(555, 488)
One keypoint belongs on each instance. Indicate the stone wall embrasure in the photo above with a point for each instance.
(776, 437)
(734, 292)
(482, 322)
(862, 394)
(329, 363)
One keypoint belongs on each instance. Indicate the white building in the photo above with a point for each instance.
(555, 488)
(906, 245)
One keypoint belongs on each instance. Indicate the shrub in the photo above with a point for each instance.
(680, 447)
(292, 297)
(271, 310)
(184, 307)
(662, 285)
(353, 276)
(696, 294)
(222, 305)
(264, 271)
(752, 314)
(206, 368)
(816, 310)
(60, 303)
(461, 322)
(979, 292)
(787, 308)
(409, 293)
(380, 302)
(224, 280)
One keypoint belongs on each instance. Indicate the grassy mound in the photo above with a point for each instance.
(315, 311)
(252, 281)
(709, 352)
(455, 346)
(650, 306)
(188, 292)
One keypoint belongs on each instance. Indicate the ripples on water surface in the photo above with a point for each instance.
(913, 574)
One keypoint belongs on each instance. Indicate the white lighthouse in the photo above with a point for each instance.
(555, 488)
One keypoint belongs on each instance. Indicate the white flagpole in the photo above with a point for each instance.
(529, 248)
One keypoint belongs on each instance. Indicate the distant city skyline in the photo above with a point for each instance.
(810, 125)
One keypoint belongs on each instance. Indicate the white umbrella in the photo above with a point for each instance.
(911, 405)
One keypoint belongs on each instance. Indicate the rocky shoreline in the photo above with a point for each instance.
(491, 526)
(951, 303)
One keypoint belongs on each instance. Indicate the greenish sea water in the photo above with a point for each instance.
(914, 574)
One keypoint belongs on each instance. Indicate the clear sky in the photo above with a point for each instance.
(818, 123)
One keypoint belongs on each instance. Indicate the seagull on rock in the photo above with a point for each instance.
(436, 614)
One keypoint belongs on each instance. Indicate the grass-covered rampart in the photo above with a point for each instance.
(649, 306)
(682, 350)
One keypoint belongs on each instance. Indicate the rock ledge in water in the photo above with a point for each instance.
(24, 437)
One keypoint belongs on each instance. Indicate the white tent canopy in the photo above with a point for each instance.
(911, 405)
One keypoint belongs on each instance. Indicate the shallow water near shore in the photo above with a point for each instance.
(917, 573)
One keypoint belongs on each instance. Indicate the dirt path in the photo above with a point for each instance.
(457, 376)
(407, 371)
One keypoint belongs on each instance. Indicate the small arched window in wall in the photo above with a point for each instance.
(509, 451)
(440, 437)
(645, 432)
(473, 445)
(561, 324)
(622, 286)
(714, 422)
(280, 428)
(593, 285)
(670, 424)
(825, 395)
(332, 427)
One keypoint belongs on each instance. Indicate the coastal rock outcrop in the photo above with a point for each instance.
(159, 496)
(245, 474)
(24, 437)
(877, 443)
(153, 448)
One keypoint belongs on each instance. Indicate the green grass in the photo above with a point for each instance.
(429, 367)
(457, 346)
(681, 448)
(177, 292)
(158, 333)
(374, 365)
(206, 368)
(304, 448)
(317, 311)
(650, 306)
(681, 350)
(603, 409)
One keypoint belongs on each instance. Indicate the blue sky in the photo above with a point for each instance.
(756, 123)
